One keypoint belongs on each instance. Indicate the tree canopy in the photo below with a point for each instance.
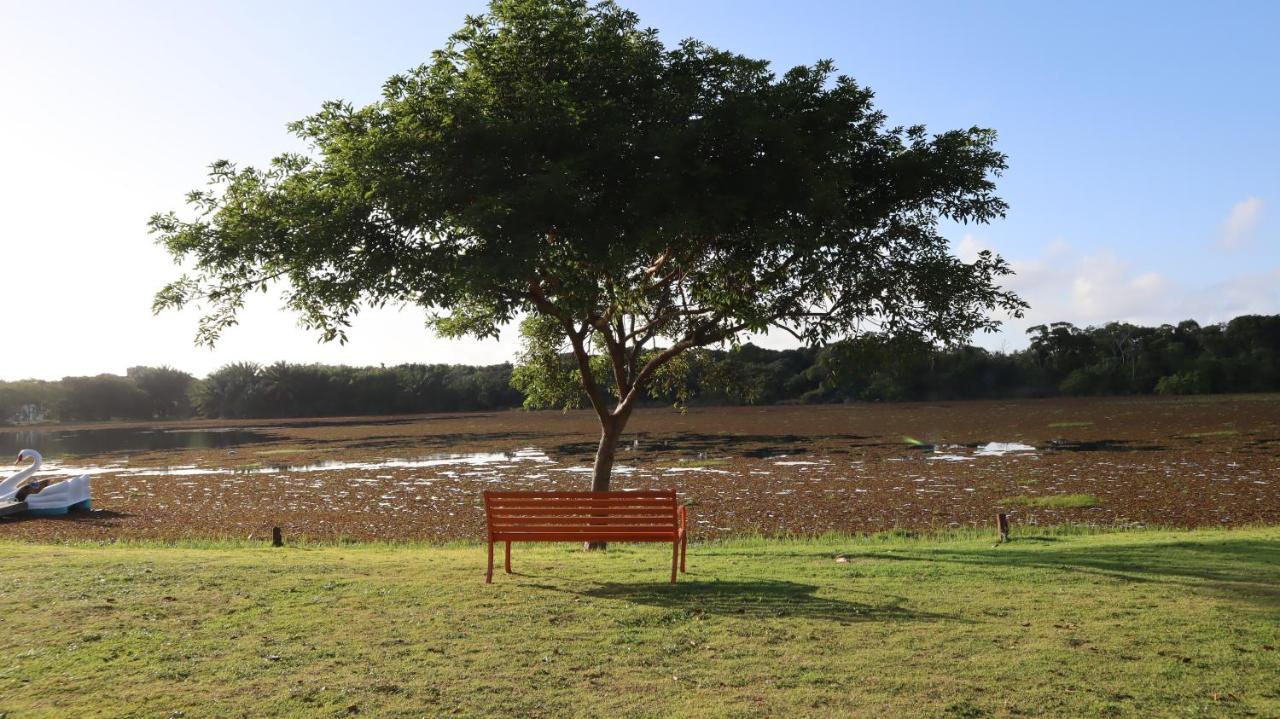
(557, 163)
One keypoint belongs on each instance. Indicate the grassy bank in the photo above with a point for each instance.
(1148, 623)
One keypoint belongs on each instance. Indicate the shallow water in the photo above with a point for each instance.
(953, 453)
(473, 459)
(434, 460)
(83, 442)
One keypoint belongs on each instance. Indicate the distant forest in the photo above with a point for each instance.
(1242, 355)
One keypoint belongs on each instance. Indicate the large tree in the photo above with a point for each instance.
(557, 164)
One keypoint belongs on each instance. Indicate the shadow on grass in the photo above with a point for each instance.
(758, 600)
(1243, 569)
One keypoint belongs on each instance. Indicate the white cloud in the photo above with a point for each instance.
(968, 247)
(1104, 287)
(1237, 230)
(1065, 284)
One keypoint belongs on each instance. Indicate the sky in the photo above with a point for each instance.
(1144, 180)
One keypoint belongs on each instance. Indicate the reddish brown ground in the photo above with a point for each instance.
(1184, 462)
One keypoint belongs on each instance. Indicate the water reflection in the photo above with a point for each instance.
(81, 442)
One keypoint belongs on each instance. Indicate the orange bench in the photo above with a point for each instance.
(649, 516)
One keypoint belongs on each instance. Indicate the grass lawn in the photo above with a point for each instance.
(1144, 623)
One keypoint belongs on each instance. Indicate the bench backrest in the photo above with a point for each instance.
(645, 516)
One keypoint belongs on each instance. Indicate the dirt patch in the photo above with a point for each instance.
(773, 470)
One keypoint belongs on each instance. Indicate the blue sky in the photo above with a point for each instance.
(1144, 177)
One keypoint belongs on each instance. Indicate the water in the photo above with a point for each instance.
(473, 459)
(81, 442)
(999, 449)
(990, 449)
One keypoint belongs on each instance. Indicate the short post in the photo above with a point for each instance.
(277, 540)
(1002, 526)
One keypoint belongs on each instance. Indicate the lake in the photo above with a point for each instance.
(86, 442)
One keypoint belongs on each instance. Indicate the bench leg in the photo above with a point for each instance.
(488, 576)
(508, 557)
(684, 546)
(675, 560)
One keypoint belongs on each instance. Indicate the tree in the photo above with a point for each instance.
(234, 391)
(104, 396)
(28, 400)
(166, 388)
(1181, 383)
(557, 162)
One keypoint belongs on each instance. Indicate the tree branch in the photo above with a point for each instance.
(697, 338)
(588, 377)
(617, 355)
(576, 340)
(788, 330)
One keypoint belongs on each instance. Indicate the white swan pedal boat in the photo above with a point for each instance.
(21, 493)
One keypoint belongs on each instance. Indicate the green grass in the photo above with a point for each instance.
(1054, 501)
(1067, 425)
(1061, 623)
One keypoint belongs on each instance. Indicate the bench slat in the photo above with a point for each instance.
(585, 521)
(582, 500)
(585, 525)
(667, 502)
(648, 493)
(584, 517)
(594, 536)
(581, 512)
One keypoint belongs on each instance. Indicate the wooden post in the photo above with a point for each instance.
(276, 539)
(1002, 525)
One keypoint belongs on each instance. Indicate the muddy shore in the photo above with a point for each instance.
(1202, 461)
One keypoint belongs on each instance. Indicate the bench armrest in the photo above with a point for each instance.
(683, 513)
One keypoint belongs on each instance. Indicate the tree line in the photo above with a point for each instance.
(1118, 358)
(245, 390)
(1242, 355)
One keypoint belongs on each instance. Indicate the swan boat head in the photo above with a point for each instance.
(30, 454)
(14, 482)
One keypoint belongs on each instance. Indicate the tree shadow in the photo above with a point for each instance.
(762, 599)
(92, 518)
(1247, 570)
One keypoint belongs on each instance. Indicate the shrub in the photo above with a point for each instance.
(1189, 382)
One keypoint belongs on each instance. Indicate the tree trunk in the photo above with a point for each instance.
(610, 432)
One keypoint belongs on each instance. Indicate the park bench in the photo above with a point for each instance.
(644, 516)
